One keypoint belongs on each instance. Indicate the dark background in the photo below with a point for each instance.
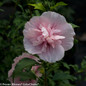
(79, 7)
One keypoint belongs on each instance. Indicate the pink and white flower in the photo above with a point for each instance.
(34, 68)
(49, 36)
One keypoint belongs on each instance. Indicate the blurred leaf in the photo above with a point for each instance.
(74, 26)
(15, 1)
(1, 3)
(65, 83)
(41, 69)
(38, 6)
(85, 79)
(21, 7)
(51, 82)
(23, 69)
(63, 76)
(79, 77)
(58, 4)
(83, 64)
(25, 63)
(75, 67)
(66, 65)
(37, 13)
(26, 75)
(76, 41)
(1, 10)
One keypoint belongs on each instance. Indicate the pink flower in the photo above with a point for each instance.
(17, 82)
(34, 68)
(49, 36)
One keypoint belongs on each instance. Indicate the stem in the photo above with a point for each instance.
(45, 80)
(45, 73)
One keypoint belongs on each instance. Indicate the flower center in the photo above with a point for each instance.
(44, 32)
(50, 38)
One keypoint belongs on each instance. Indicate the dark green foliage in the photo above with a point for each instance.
(58, 4)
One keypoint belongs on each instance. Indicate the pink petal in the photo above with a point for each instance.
(22, 83)
(57, 37)
(33, 49)
(53, 54)
(33, 23)
(55, 18)
(68, 32)
(30, 33)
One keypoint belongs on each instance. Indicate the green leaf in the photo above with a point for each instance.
(83, 64)
(75, 41)
(65, 83)
(51, 82)
(75, 67)
(38, 6)
(1, 10)
(66, 65)
(58, 4)
(37, 13)
(24, 64)
(85, 79)
(74, 26)
(63, 76)
(21, 7)
(79, 77)
(1, 3)
(26, 76)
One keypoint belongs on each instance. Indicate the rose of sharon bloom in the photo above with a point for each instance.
(34, 68)
(49, 36)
